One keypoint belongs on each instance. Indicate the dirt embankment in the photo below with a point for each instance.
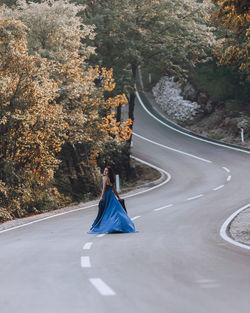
(227, 121)
(219, 125)
(196, 110)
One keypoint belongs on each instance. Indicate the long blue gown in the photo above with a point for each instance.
(111, 216)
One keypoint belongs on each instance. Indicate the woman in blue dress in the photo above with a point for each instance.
(111, 216)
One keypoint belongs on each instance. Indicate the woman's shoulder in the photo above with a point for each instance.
(106, 180)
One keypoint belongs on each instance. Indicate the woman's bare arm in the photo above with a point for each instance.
(103, 187)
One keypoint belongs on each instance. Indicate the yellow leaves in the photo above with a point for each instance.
(121, 131)
(3, 120)
(3, 188)
(109, 82)
(112, 103)
(32, 123)
(234, 17)
(46, 101)
(93, 157)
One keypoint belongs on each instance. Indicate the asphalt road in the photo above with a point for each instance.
(177, 262)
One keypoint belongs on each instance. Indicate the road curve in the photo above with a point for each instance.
(177, 262)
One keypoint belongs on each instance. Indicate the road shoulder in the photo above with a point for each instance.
(239, 228)
(148, 177)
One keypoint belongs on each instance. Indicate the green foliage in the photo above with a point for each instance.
(174, 34)
(50, 101)
(157, 72)
(117, 155)
(8, 2)
(222, 82)
(130, 33)
(76, 179)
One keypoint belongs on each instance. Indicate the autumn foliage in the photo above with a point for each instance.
(233, 17)
(50, 100)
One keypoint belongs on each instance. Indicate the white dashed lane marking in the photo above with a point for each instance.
(195, 197)
(229, 178)
(134, 218)
(226, 169)
(164, 207)
(87, 245)
(207, 283)
(85, 261)
(219, 187)
(102, 287)
(101, 235)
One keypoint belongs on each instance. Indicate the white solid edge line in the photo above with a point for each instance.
(227, 222)
(163, 207)
(195, 197)
(46, 218)
(223, 230)
(154, 187)
(87, 245)
(85, 261)
(219, 187)
(189, 135)
(226, 169)
(172, 149)
(134, 218)
(229, 178)
(93, 205)
(102, 287)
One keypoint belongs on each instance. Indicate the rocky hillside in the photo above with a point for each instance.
(196, 110)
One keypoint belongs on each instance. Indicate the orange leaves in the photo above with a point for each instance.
(31, 122)
(50, 97)
(121, 131)
(109, 83)
(112, 103)
(110, 126)
(233, 16)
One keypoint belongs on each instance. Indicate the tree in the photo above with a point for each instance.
(232, 17)
(130, 34)
(56, 55)
(32, 124)
(62, 39)
(8, 2)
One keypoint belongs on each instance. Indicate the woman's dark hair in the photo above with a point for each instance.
(111, 174)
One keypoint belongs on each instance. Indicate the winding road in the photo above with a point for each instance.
(177, 262)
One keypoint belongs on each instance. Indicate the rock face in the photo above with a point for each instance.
(167, 94)
(189, 92)
(209, 106)
(202, 98)
(214, 119)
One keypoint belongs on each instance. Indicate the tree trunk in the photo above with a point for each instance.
(134, 71)
(131, 103)
(73, 170)
(131, 106)
(118, 113)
